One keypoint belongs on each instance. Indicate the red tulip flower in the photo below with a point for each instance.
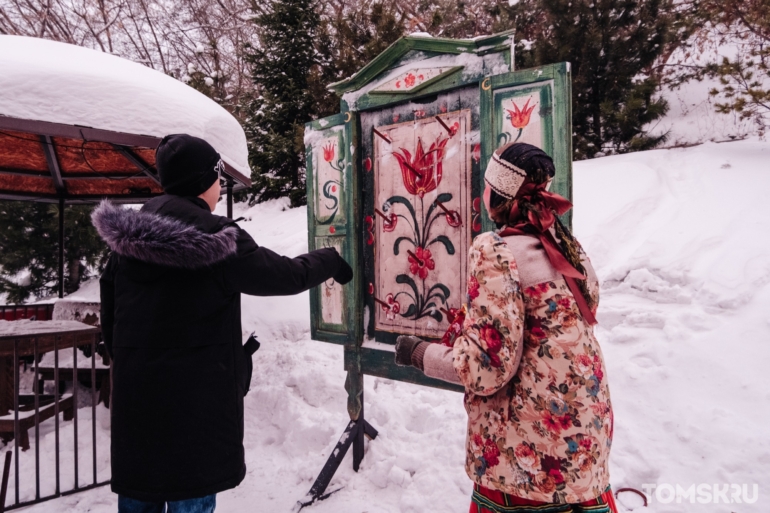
(422, 174)
(520, 117)
(329, 152)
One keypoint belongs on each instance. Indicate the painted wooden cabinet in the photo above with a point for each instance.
(395, 183)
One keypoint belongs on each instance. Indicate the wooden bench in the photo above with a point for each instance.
(84, 374)
(27, 417)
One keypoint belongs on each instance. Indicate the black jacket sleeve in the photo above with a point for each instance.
(107, 293)
(258, 271)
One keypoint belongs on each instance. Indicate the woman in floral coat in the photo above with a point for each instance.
(539, 412)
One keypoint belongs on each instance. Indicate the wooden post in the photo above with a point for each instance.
(354, 385)
(61, 246)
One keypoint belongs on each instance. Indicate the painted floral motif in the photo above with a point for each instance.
(329, 152)
(389, 222)
(409, 80)
(393, 307)
(329, 189)
(369, 225)
(420, 262)
(421, 174)
(476, 210)
(476, 152)
(519, 118)
(540, 424)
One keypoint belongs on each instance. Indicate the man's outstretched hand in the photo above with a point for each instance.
(344, 274)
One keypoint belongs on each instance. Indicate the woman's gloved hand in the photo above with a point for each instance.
(344, 274)
(410, 351)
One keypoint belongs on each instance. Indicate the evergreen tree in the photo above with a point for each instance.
(744, 78)
(280, 64)
(347, 41)
(29, 252)
(612, 46)
(461, 19)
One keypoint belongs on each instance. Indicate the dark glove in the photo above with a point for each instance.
(344, 274)
(405, 349)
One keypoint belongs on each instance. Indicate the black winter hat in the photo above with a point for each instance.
(187, 165)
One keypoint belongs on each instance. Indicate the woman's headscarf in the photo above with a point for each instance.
(519, 174)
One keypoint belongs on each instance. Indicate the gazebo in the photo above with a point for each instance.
(78, 126)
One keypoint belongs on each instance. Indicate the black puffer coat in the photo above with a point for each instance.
(171, 316)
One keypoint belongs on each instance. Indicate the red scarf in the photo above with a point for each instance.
(547, 205)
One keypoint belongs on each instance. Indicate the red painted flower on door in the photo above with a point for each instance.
(519, 117)
(422, 214)
(422, 173)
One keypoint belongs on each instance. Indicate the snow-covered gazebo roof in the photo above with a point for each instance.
(83, 124)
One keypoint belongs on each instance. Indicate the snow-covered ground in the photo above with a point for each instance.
(679, 238)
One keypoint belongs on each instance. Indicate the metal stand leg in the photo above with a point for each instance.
(354, 435)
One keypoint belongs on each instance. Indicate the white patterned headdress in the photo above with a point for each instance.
(504, 178)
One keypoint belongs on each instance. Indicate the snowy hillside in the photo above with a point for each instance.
(679, 238)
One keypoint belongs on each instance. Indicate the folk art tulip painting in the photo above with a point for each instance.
(422, 222)
(413, 171)
(329, 163)
(524, 114)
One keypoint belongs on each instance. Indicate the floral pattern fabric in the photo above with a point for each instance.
(539, 412)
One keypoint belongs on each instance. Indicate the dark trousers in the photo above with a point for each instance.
(201, 505)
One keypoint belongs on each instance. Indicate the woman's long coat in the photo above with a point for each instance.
(539, 411)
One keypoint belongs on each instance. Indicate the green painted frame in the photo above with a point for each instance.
(375, 358)
(343, 231)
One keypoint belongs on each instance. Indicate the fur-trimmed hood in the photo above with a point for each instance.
(161, 240)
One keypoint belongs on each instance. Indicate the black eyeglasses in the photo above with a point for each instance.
(219, 168)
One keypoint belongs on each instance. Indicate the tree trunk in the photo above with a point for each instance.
(73, 271)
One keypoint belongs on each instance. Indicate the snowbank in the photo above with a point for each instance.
(61, 83)
(679, 240)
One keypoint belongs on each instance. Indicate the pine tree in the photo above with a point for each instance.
(280, 65)
(612, 46)
(29, 253)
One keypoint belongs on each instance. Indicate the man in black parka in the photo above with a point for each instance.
(171, 318)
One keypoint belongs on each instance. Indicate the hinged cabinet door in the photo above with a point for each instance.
(330, 223)
(531, 106)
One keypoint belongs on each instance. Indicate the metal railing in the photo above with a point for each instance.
(37, 411)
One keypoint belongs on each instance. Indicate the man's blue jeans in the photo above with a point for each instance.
(202, 505)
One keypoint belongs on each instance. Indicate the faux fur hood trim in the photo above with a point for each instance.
(161, 240)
